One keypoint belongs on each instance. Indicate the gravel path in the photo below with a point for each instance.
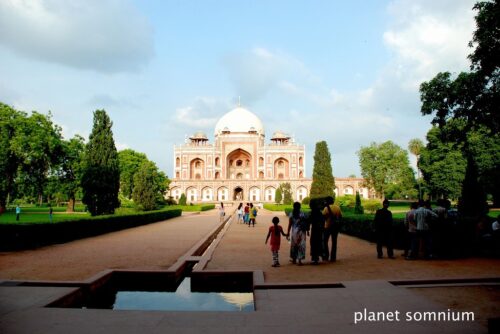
(153, 246)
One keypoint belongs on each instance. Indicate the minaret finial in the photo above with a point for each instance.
(239, 101)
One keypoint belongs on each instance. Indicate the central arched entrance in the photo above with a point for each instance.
(238, 194)
(239, 165)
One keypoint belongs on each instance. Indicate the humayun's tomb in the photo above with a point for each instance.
(240, 166)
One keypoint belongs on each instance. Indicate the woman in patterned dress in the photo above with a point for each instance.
(299, 228)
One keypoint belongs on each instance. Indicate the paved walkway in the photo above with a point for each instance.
(243, 248)
(298, 310)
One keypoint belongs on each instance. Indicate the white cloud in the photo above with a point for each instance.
(102, 35)
(202, 114)
(121, 146)
(428, 37)
(425, 37)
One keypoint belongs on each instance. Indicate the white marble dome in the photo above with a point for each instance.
(239, 120)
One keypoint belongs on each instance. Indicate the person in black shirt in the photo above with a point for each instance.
(383, 230)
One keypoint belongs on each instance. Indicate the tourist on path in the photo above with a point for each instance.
(246, 213)
(275, 232)
(239, 211)
(333, 218)
(383, 230)
(317, 227)
(252, 214)
(411, 232)
(423, 217)
(297, 224)
(222, 213)
(18, 212)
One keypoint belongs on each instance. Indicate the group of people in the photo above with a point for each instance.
(429, 232)
(247, 214)
(321, 225)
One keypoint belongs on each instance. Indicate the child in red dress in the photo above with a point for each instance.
(275, 233)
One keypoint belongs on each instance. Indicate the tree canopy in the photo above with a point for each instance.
(386, 169)
(146, 189)
(30, 148)
(129, 161)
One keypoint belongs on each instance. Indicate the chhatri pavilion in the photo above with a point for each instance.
(240, 166)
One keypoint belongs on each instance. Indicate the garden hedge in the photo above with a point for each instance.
(25, 236)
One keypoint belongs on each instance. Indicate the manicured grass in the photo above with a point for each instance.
(194, 208)
(39, 218)
(40, 215)
(45, 208)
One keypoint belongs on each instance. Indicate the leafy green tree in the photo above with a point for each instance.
(323, 182)
(71, 169)
(11, 123)
(384, 165)
(472, 97)
(442, 165)
(40, 151)
(182, 199)
(130, 161)
(101, 174)
(358, 208)
(286, 189)
(485, 148)
(145, 186)
(162, 183)
(278, 197)
(30, 148)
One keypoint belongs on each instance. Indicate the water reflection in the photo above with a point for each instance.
(184, 300)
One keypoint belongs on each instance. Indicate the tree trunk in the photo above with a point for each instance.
(71, 205)
(40, 199)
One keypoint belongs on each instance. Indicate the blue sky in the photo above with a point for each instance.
(346, 72)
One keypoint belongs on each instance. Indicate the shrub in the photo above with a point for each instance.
(182, 200)
(372, 205)
(170, 201)
(346, 201)
(306, 200)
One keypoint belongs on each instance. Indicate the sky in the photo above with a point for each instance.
(347, 72)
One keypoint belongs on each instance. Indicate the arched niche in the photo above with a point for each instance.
(239, 162)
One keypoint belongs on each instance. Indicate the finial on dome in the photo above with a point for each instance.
(239, 101)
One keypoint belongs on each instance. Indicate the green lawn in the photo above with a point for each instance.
(39, 215)
(38, 218)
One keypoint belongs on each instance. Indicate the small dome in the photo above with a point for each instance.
(199, 135)
(239, 120)
(280, 135)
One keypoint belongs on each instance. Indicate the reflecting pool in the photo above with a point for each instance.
(184, 300)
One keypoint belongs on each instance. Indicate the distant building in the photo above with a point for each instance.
(240, 166)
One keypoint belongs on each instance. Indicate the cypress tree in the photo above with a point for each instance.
(323, 182)
(286, 188)
(101, 175)
(278, 197)
(358, 208)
